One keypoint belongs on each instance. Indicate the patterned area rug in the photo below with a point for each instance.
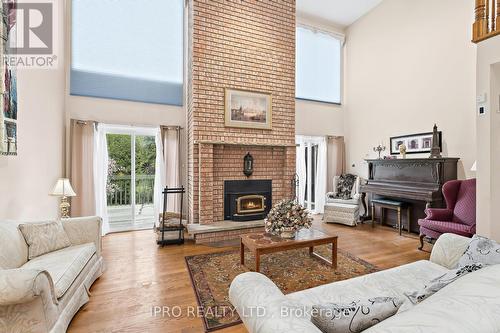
(211, 276)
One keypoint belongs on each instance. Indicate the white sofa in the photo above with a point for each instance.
(470, 304)
(43, 294)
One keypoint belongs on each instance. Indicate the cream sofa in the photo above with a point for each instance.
(43, 294)
(470, 304)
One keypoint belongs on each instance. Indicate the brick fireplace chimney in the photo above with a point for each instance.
(245, 45)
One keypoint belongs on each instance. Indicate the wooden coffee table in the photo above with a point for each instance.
(264, 243)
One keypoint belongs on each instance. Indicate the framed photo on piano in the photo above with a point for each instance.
(415, 143)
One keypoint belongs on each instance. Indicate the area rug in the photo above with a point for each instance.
(211, 276)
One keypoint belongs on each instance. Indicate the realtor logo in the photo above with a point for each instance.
(33, 29)
(30, 27)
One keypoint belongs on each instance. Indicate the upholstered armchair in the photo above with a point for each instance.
(459, 216)
(343, 210)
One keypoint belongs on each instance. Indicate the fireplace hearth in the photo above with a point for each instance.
(247, 200)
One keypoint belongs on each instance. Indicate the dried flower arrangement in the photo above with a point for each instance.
(287, 217)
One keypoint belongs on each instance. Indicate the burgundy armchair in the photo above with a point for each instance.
(459, 216)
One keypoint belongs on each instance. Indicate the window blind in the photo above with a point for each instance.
(128, 49)
(318, 66)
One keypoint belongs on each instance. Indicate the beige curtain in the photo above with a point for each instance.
(171, 154)
(336, 159)
(82, 167)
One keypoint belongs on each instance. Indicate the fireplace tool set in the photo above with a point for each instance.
(168, 222)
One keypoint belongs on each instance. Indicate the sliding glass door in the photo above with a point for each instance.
(144, 179)
(131, 174)
(311, 170)
(311, 156)
(119, 187)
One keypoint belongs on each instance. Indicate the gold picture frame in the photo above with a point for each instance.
(247, 109)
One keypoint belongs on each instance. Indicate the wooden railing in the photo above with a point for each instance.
(487, 20)
(122, 193)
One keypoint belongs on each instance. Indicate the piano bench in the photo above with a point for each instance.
(394, 205)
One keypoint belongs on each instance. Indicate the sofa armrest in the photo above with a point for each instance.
(448, 249)
(264, 309)
(20, 285)
(82, 230)
(439, 214)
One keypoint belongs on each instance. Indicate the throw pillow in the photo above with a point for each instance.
(440, 282)
(481, 250)
(344, 186)
(44, 237)
(356, 316)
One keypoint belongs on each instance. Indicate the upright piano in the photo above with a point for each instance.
(417, 181)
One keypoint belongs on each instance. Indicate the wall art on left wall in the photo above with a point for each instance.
(8, 81)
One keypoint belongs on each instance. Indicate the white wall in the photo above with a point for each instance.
(488, 138)
(316, 118)
(124, 112)
(411, 64)
(27, 179)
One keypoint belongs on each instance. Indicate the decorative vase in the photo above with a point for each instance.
(402, 150)
(288, 233)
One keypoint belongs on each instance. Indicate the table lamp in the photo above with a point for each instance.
(64, 190)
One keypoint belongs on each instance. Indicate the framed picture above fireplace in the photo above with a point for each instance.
(248, 109)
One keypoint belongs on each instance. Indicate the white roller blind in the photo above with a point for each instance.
(128, 49)
(318, 66)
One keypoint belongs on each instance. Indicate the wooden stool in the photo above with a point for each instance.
(391, 204)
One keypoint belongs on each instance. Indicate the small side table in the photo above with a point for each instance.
(394, 205)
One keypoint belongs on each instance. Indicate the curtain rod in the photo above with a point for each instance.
(171, 127)
(85, 122)
(82, 122)
(336, 34)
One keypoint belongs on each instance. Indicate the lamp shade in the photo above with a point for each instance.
(63, 188)
(474, 166)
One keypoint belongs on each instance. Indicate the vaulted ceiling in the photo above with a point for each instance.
(339, 12)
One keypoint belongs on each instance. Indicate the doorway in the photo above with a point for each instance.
(311, 170)
(131, 177)
(311, 151)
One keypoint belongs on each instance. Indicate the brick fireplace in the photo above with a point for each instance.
(248, 45)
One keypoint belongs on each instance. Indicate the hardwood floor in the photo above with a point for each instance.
(139, 276)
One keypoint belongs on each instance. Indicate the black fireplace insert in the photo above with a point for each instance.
(247, 200)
